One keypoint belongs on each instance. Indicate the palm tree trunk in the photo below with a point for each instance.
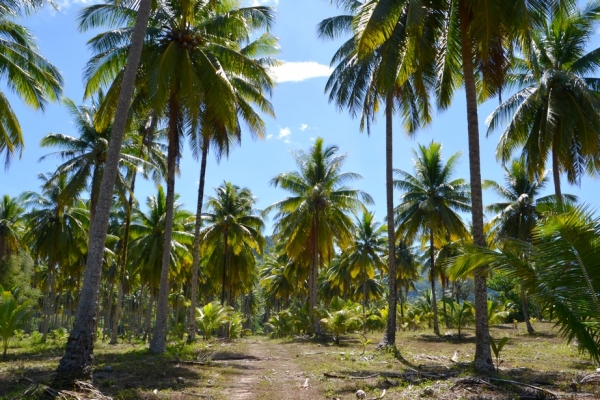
(530, 329)
(483, 354)
(115, 325)
(224, 277)
(108, 311)
(78, 360)
(364, 303)
(556, 172)
(196, 261)
(436, 327)
(389, 338)
(158, 344)
(444, 303)
(313, 274)
(148, 323)
(48, 302)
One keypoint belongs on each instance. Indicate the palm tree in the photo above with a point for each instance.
(148, 231)
(560, 267)
(361, 82)
(517, 216)
(221, 138)
(365, 253)
(557, 110)
(78, 360)
(233, 233)
(11, 227)
(314, 217)
(472, 41)
(28, 74)
(86, 155)
(188, 49)
(429, 204)
(56, 232)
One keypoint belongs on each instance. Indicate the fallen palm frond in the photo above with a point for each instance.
(84, 391)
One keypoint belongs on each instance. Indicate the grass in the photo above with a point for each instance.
(262, 368)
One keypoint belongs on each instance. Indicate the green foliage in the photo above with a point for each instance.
(13, 316)
(363, 342)
(343, 317)
(281, 324)
(236, 328)
(212, 316)
(459, 315)
(497, 313)
(497, 348)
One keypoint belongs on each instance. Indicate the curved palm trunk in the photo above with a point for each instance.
(389, 338)
(158, 344)
(48, 304)
(436, 327)
(78, 360)
(483, 354)
(196, 254)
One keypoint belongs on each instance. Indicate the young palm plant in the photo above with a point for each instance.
(13, 316)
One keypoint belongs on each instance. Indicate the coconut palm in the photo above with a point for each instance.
(315, 216)
(521, 208)
(28, 74)
(13, 316)
(85, 155)
(429, 204)
(78, 360)
(212, 133)
(147, 232)
(11, 227)
(555, 114)
(364, 256)
(560, 267)
(232, 233)
(473, 42)
(203, 40)
(385, 74)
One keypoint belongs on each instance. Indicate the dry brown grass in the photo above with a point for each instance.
(298, 369)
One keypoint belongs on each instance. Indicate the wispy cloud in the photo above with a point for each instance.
(303, 127)
(269, 136)
(299, 71)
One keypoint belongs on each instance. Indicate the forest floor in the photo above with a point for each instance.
(539, 366)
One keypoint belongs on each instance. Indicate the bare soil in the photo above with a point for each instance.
(425, 366)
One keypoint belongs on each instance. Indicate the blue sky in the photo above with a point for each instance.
(302, 110)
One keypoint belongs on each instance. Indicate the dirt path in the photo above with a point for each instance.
(274, 374)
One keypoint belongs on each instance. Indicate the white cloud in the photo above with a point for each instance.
(303, 127)
(299, 71)
(269, 136)
(284, 133)
(312, 139)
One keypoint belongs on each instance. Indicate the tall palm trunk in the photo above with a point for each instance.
(556, 172)
(436, 327)
(48, 303)
(483, 355)
(158, 344)
(389, 338)
(196, 254)
(364, 303)
(224, 277)
(313, 273)
(123, 266)
(77, 363)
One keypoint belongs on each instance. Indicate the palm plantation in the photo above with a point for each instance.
(151, 272)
